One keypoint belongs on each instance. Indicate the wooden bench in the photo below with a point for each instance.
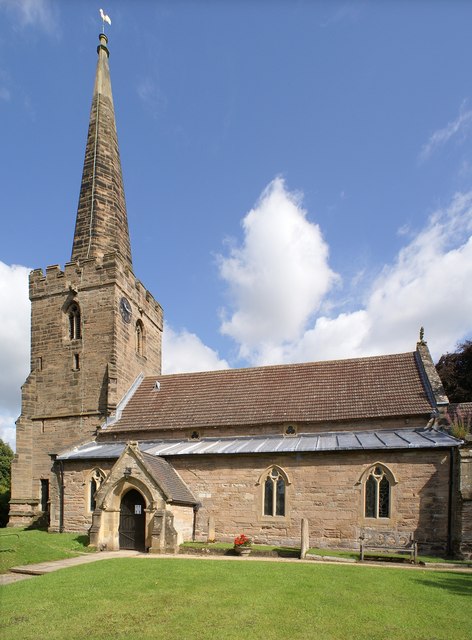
(388, 542)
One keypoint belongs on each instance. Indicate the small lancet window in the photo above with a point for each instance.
(73, 314)
(139, 338)
(274, 494)
(377, 494)
(96, 480)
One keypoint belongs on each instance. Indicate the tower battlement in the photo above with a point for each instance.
(87, 274)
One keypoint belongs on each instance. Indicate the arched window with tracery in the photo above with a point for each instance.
(377, 493)
(139, 338)
(95, 482)
(73, 314)
(274, 493)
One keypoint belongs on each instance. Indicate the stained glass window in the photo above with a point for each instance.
(370, 494)
(93, 491)
(268, 497)
(280, 499)
(377, 494)
(384, 498)
(274, 494)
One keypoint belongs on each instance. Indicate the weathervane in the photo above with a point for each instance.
(104, 18)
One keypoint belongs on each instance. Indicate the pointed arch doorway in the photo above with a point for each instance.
(132, 521)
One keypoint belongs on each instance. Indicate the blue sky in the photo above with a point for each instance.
(298, 174)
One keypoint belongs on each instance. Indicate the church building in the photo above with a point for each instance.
(107, 445)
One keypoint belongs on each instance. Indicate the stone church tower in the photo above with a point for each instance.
(94, 327)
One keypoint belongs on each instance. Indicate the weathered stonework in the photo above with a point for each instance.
(101, 223)
(80, 373)
(63, 405)
(167, 524)
(325, 488)
(463, 539)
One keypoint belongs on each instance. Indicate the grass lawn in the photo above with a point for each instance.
(137, 599)
(23, 546)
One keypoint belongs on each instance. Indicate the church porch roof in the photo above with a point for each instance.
(168, 479)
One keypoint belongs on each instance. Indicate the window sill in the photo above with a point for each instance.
(381, 521)
(274, 520)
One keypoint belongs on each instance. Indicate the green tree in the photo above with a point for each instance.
(6, 456)
(455, 371)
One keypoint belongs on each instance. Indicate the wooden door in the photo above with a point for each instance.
(132, 521)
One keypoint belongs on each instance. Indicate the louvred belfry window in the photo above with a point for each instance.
(73, 313)
(139, 338)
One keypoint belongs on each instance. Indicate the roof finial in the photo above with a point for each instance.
(104, 18)
(422, 335)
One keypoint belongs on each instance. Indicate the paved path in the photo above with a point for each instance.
(31, 570)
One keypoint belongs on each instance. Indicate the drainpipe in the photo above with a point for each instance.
(196, 507)
(61, 488)
(452, 483)
(61, 497)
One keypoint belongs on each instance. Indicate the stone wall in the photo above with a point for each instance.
(77, 478)
(75, 384)
(463, 542)
(78, 516)
(327, 489)
(183, 522)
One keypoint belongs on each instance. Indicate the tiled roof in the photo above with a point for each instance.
(464, 408)
(168, 479)
(371, 440)
(312, 392)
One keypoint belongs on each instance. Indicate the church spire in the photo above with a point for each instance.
(102, 225)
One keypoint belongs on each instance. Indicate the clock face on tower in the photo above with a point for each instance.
(125, 309)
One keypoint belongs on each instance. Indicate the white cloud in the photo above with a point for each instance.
(184, 352)
(40, 13)
(461, 125)
(277, 278)
(273, 277)
(7, 430)
(429, 284)
(14, 342)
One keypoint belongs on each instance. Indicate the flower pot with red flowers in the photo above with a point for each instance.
(242, 545)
